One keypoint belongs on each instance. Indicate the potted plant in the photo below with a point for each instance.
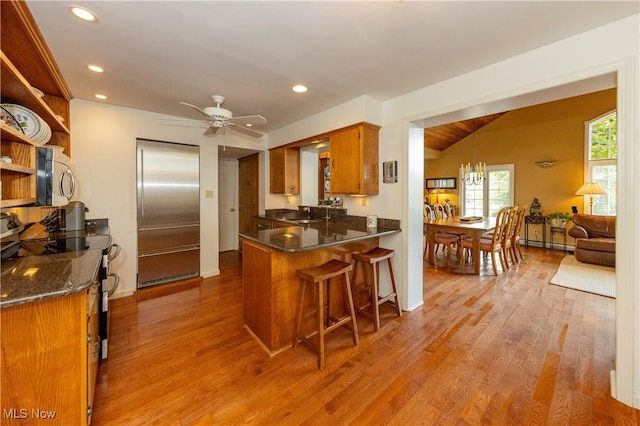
(559, 219)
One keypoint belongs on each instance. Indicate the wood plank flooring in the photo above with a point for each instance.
(511, 349)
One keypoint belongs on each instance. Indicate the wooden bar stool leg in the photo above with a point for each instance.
(321, 329)
(393, 287)
(352, 311)
(374, 297)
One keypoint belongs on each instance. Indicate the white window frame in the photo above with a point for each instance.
(589, 163)
(485, 202)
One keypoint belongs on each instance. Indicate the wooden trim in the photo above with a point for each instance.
(28, 24)
(326, 135)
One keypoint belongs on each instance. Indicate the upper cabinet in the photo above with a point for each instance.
(354, 160)
(284, 170)
(27, 64)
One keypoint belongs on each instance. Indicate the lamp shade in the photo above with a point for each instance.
(591, 188)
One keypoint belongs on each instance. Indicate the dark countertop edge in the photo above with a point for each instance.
(384, 232)
(59, 293)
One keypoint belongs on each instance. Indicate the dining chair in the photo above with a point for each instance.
(515, 242)
(508, 234)
(491, 245)
(429, 214)
(440, 211)
(449, 209)
(440, 238)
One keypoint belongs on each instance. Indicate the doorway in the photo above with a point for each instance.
(228, 192)
(238, 175)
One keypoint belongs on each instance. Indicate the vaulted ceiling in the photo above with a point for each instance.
(442, 137)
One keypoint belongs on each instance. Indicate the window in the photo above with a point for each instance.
(601, 162)
(493, 194)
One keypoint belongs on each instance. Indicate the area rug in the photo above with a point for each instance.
(586, 277)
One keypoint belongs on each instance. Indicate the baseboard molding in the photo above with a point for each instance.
(555, 246)
(167, 288)
(211, 274)
(613, 383)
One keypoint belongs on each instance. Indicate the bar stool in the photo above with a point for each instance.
(317, 276)
(370, 260)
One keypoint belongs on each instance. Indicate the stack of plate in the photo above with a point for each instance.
(26, 121)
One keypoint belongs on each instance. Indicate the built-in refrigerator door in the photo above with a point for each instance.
(168, 183)
(168, 190)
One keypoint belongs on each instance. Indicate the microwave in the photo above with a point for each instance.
(55, 182)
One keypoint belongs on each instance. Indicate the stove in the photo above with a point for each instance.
(67, 242)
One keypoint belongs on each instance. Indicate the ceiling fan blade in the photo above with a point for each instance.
(181, 120)
(247, 131)
(201, 112)
(248, 119)
(211, 130)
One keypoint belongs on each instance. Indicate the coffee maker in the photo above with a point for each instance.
(73, 216)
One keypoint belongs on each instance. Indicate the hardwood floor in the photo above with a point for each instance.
(511, 349)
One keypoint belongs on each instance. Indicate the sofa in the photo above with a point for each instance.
(595, 239)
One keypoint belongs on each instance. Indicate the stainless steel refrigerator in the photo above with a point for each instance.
(168, 195)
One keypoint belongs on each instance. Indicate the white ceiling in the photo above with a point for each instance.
(157, 53)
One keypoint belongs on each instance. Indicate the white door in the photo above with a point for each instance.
(228, 214)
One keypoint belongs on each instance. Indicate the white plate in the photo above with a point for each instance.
(23, 120)
(44, 135)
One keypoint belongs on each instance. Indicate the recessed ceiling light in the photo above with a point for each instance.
(99, 96)
(299, 88)
(249, 125)
(84, 14)
(95, 68)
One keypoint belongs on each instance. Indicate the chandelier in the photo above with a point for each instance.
(476, 174)
(473, 175)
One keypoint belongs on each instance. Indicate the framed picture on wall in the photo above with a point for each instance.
(442, 183)
(390, 171)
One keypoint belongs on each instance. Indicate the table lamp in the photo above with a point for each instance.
(591, 189)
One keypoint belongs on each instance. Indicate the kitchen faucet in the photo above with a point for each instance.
(327, 216)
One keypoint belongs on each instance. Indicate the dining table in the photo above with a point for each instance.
(473, 227)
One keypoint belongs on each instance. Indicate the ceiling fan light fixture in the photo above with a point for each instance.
(84, 14)
(299, 88)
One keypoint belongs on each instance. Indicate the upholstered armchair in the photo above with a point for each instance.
(595, 239)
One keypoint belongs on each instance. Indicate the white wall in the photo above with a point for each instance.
(103, 150)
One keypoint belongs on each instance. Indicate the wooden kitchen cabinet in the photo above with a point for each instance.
(284, 170)
(354, 160)
(50, 353)
(26, 62)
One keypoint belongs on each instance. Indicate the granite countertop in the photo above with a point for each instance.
(297, 238)
(33, 278)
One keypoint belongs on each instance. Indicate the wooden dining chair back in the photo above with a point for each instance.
(429, 214)
(492, 245)
(515, 241)
(448, 207)
(507, 235)
(440, 211)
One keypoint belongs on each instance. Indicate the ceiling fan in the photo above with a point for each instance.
(217, 118)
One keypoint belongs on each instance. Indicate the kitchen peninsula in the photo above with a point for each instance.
(272, 256)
